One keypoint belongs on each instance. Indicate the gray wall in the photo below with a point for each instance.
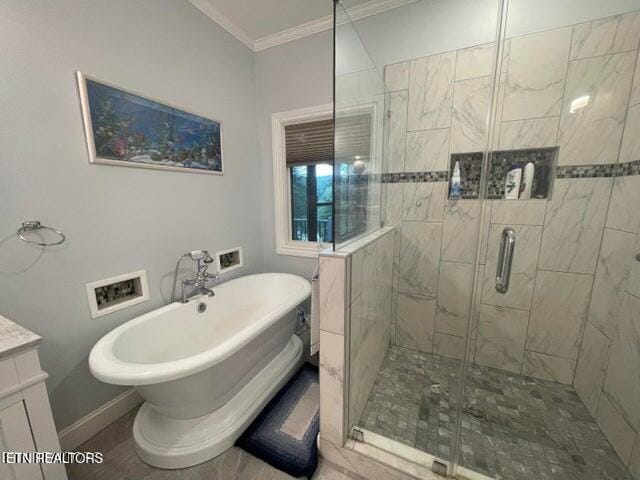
(119, 219)
(294, 75)
(427, 27)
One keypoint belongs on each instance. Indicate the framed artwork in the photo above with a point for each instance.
(126, 129)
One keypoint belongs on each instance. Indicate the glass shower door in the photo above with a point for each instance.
(552, 382)
(437, 62)
(506, 161)
(359, 125)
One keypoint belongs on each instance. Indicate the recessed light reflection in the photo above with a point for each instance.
(578, 103)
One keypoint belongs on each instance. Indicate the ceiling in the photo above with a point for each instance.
(261, 24)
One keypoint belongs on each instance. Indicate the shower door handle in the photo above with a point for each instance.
(505, 256)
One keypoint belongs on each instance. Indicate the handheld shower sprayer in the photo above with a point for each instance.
(197, 255)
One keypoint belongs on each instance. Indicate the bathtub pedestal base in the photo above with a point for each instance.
(178, 443)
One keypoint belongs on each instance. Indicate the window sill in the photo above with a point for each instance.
(302, 249)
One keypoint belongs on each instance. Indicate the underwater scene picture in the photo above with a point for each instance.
(133, 129)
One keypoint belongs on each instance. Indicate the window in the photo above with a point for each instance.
(309, 160)
(303, 180)
(312, 202)
(303, 158)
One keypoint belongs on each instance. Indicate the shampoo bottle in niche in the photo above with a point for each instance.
(542, 181)
(456, 188)
(512, 183)
(527, 181)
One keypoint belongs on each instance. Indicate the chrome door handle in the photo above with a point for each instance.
(505, 256)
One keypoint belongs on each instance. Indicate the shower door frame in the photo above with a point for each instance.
(454, 467)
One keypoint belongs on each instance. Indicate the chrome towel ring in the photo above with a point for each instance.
(34, 226)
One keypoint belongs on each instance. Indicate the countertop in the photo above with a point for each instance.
(14, 338)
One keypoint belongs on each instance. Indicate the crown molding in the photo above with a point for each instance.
(294, 33)
(374, 7)
(326, 23)
(207, 7)
(309, 28)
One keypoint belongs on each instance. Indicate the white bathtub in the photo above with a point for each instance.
(205, 376)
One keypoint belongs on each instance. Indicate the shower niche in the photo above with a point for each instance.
(500, 162)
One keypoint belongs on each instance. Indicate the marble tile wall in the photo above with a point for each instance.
(355, 313)
(608, 368)
(447, 101)
(572, 313)
(558, 241)
(355, 308)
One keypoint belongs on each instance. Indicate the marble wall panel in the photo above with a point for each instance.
(396, 131)
(536, 71)
(458, 233)
(591, 135)
(605, 36)
(501, 337)
(431, 91)
(559, 312)
(532, 133)
(592, 367)
(396, 76)
(616, 254)
(616, 429)
(624, 208)
(474, 62)
(454, 297)
(415, 322)
(548, 367)
(622, 382)
(427, 151)
(574, 223)
(424, 202)
(469, 114)
(420, 258)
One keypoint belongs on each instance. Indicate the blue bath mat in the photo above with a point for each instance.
(284, 434)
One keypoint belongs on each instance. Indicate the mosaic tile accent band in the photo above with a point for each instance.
(415, 177)
(567, 171)
(595, 171)
(110, 293)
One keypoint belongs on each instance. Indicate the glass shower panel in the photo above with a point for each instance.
(438, 64)
(552, 382)
(359, 114)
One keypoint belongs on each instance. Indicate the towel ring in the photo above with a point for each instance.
(34, 226)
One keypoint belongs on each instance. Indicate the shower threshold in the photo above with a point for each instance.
(528, 428)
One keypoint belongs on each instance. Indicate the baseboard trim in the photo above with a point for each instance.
(85, 428)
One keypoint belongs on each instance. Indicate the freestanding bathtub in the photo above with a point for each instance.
(205, 375)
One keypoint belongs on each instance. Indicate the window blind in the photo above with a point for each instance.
(312, 142)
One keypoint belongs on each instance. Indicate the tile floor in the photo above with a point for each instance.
(122, 463)
(531, 428)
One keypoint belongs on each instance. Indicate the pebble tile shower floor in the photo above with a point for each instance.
(531, 428)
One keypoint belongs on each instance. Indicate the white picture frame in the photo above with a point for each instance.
(148, 164)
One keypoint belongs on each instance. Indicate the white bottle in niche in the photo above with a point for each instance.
(456, 187)
(527, 181)
(512, 183)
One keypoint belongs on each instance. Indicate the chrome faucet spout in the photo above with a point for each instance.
(207, 291)
(202, 259)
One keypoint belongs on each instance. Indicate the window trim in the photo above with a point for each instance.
(285, 245)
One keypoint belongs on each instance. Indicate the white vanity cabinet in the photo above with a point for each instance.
(26, 423)
(16, 437)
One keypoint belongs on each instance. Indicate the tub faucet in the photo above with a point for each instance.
(202, 259)
(198, 283)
